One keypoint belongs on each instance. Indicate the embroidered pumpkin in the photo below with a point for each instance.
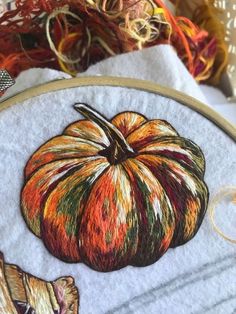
(112, 194)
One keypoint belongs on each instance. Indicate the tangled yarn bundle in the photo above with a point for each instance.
(72, 35)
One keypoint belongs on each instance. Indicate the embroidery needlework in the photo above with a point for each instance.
(115, 193)
(22, 293)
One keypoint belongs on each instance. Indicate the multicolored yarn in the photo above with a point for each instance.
(115, 193)
(208, 17)
(71, 35)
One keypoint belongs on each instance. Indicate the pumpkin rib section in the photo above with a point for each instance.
(61, 147)
(63, 209)
(149, 132)
(41, 183)
(128, 121)
(179, 149)
(108, 234)
(155, 213)
(187, 193)
(89, 130)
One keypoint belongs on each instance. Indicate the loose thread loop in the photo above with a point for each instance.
(64, 10)
(234, 200)
(226, 191)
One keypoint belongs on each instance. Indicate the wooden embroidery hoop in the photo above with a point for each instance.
(188, 101)
(143, 85)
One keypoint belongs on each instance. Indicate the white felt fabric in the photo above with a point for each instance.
(159, 64)
(198, 277)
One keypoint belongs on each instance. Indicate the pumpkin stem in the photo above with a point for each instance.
(119, 150)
